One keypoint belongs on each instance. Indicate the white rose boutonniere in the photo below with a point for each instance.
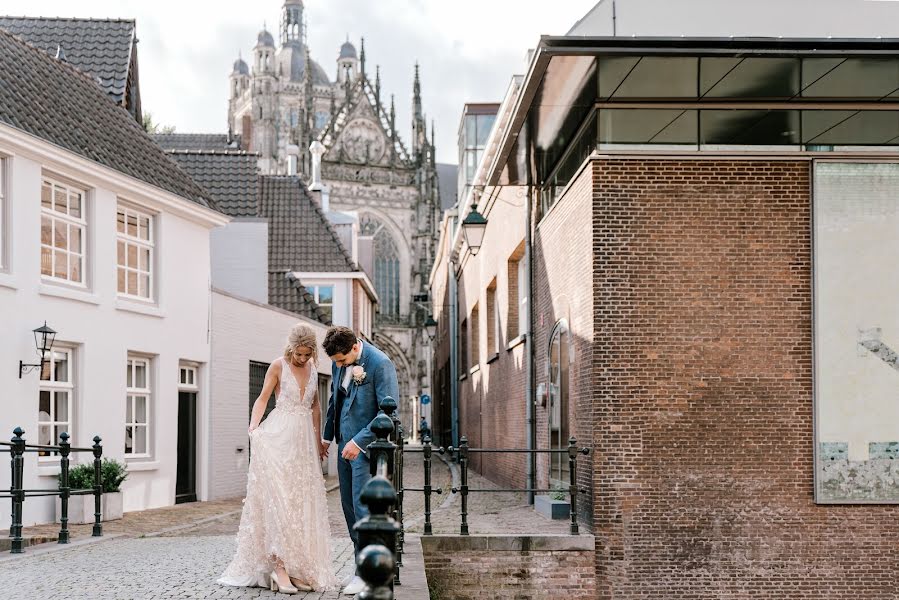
(359, 375)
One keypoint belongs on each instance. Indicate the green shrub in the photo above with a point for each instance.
(112, 474)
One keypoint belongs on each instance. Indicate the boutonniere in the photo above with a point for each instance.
(358, 375)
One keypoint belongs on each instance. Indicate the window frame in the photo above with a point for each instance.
(316, 291)
(494, 335)
(122, 237)
(5, 245)
(55, 216)
(131, 394)
(53, 387)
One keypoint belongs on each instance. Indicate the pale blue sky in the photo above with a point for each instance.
(468, 49)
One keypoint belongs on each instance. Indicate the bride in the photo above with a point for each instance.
(284, 538)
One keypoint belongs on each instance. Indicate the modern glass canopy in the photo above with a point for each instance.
(696, 94)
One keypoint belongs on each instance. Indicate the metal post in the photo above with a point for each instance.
(17, 451)
(398, 512)
(98, 486)
(376, 568)
(572, 482)
(426, 451)
(463, 466)
(64, 450)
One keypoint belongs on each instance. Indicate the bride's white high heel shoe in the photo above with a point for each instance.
(277, 587)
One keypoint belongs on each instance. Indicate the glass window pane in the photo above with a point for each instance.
(60, 234)
(131, 250)
(650, 126)
(46, 231)
(43, 435)
(75, 204)
(648, 77)
(140, 375)
(59, 200)
(62, 406)
(132, 283)
(755, 127)
(75, 268)
(58, 430)
(120, 253)
(849, 77)
(75, 239)
(60, 366)
(120, 280)
(470, 131)
(140, 409)
(129, 440)
(43, 410)
(874, 127)
(140, 440)
(120, 222)
(60, 266)
(730, 77)
(145, 259)
(131, 228)
(129, 409)
(326, 294)
(46, 196)
(485, 124)
(46, 261)
(144, 228)
(144, 286)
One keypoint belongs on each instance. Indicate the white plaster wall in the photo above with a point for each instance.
(857, 283)
(102, 329)
(243, 331)
(240, 258)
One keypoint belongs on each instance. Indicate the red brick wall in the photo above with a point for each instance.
(703, 399)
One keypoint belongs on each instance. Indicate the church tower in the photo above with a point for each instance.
(292, 27)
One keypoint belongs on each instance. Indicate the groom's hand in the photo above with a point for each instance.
(351, 450)
(323, 446)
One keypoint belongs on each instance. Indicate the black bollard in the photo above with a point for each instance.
(98, 486)
(572, 482)
(378, 528)
(426, 451)
(376, 568)
(463, 467)
(17, 453)
(64, 450)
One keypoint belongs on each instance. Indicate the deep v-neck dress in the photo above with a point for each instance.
(285, 514)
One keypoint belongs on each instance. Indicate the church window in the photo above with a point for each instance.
(386, 262)
(321, 119)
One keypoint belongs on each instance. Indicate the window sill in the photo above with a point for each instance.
(463, 376)
(48, 470)
(141, 465)
(139, 308)
(474, 369)
(8, 281)
(493, 358)
(515, 342)
(47, 289)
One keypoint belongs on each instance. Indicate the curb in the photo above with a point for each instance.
(50, 547)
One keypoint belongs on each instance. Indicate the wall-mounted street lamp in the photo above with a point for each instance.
(431, 327)
(473, 228)
(43, 342)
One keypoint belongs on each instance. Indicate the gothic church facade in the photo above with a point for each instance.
(283, 103)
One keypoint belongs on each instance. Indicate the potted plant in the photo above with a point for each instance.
(81, 477)
(555, 505)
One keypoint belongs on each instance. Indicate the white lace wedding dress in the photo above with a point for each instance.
(285, 514)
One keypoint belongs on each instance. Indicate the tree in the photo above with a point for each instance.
(151, 126)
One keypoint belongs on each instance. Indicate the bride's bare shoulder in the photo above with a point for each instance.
(276, 365)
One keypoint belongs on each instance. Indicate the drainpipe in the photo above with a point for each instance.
(454, 352)
(531, 409)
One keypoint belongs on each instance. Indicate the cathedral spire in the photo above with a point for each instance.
(333, 103)
(419, 126)
(378, 89)
(433, 145)
(362, 58)
(392, 129)
(307, 89)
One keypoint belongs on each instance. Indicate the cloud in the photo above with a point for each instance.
(468, 49)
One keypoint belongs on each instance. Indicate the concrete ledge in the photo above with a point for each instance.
(508, 543)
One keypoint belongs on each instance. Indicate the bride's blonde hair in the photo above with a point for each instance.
(301, 335)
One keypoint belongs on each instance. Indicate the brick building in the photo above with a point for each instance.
(705, 226)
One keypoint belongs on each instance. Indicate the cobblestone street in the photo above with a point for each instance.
(179, 551)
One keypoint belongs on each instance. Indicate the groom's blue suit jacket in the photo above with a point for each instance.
(361, 405)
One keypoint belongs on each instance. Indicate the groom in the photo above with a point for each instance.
(361, 377)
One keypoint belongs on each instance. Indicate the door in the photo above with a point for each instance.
(186, 478)
(558, 404)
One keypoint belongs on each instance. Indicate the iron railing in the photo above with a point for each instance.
(17, 491)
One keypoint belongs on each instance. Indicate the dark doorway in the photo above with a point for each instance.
(257, 380)
(186, 479)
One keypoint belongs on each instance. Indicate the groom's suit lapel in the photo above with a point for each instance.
(354, 387)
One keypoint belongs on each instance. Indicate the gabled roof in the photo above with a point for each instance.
(285, 291)
(300, 237)
(54, 101)
(197, 141)
(102, 48)
(230, 176)
(363, 101)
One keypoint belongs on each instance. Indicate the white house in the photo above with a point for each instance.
(106, 240)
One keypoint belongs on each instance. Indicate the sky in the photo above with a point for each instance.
(468, 49)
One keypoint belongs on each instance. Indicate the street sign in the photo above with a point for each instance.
(425, 399)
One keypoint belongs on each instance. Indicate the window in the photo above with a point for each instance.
(4, 219)
(517, 323)
(386, 267)
(63, 229)
(187, 377)
(137, 407)
(493, 328)
(134, 250)
(55, 398)
(463, 347)
(558, 420)
(522, 298)
(324, 297)
(475, 336)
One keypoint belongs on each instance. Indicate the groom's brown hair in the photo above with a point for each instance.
(339, 340)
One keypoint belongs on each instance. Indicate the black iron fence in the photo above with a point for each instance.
(17, 491)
